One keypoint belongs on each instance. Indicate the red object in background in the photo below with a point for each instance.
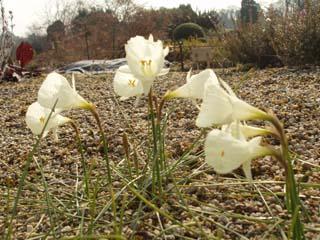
(24, 53)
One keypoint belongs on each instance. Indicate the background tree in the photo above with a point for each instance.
(6, 36)
(55, 33)
(187, 30)
(123, 10)
(38, 42)
(228, 18)
(249, 11)
(208, 20)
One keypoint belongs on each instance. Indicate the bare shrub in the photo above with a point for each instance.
(296, 37)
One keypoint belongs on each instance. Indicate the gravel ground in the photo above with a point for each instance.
(224, 206)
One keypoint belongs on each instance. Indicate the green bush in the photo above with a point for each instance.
(187, 30)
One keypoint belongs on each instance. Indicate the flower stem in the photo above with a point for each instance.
(95, 114)
(161, 132)
(83, 162)
(126, 147)
(50, 207)
(156, 175)
(292, 193)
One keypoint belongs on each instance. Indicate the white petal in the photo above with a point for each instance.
(34, 113)
(55, 134)
(182, 92)
(166, 51)
(256, 150)
(198, 82)
(245, 111)
(147, 84)
(125, 69)
(210, 75)
(219, 107)
(224, 152)
(164, 71)
(189, 75)
(145, 57)
(216, 107)
(228, 88)
(195, 86)
(134, 63)
(235, 130)
(73, 82)
(37, 116)
(54, 87)
(126, 84)
(246, 166)
(136, 46)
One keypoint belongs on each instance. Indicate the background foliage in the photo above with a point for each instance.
(287, 33)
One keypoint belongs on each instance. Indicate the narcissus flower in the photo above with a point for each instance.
(125, 84)
(56, 86)
(37, 116)
(194, 88)
(145, 59)
(226, 153)
(224, 107)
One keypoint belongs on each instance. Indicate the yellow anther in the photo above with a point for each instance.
(42, 120)
(222, 153)
(132, 83)
(145, 62)
(146, 67)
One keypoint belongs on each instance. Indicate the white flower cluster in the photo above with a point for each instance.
(226, 149)
(235, 144)
(55, 92)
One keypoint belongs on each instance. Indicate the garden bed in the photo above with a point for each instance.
(201, 202)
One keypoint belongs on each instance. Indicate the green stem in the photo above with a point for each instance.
(161, 134)
(48, 198)
(126, 148)
(292, 194)
(156, 175)
(106, 158)
(83, 162)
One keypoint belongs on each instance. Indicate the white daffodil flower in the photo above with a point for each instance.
(243, 132)
(145, 59)
(226, 153)
(223, 107)
(37, 116)
(195, 86)
(56, 86)
(126, 84)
